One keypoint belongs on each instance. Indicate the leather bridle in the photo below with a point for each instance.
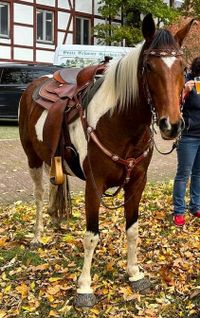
(157, 53)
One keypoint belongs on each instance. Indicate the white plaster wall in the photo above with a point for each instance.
(63, 20)
(23, 54)
(83, 6)
(5, 52)
(60, 37)
(63, 4)
(69, 39)
(23, 35)
(96, 21)
(46, 2)
(45, 46)
(23, 14)
(46, 57)
(6, 41)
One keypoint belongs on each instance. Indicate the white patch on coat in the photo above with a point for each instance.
(169, 60)
(90, 242)
(39, 126)
(132, 267)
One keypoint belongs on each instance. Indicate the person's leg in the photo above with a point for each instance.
(186, 153)
(194, 205)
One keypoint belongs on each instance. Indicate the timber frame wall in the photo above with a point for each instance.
(21, 45)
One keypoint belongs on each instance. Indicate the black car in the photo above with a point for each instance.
(13, 80)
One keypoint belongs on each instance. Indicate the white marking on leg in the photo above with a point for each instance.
(132, 267)
(39, 126)
(36, 175)
(169, 60)
(90, 242)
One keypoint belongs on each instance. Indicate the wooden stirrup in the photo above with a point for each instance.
(56, 171)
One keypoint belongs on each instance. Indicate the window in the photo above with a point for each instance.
(20, 76)
(45, 26)
(83, 27)
(4, 20)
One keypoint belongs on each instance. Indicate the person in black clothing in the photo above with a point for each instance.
(188, 152)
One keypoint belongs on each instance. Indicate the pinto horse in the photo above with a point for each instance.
(117, 147)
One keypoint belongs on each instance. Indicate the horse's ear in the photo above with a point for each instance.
(182, 33)
(148, 27)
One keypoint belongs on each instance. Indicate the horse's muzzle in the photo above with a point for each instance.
(170, 131)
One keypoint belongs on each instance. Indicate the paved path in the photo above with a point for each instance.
(16, 184)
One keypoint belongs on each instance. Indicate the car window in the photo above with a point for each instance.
(22, 75)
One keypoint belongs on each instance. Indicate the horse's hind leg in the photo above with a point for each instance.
(37, 177)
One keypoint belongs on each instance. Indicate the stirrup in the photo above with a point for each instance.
(56, 171)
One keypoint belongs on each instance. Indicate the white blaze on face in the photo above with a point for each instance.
(40, 125)
(169, 60)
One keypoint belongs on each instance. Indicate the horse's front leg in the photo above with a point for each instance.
(85, 296)
(133, 193)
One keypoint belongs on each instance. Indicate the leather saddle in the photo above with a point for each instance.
(60, 95)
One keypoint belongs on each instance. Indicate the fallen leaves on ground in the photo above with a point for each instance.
(41, 281)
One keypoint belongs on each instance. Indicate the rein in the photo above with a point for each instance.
(158, 53)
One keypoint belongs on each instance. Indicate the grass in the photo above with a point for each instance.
(10, 131)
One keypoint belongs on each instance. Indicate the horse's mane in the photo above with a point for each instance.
(163, 39)
(121, 78)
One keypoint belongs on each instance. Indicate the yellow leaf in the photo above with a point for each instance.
(54, 279)
(40, 267)
(3, 241)
(22, 289)
(46, 239)
(95, 311)
(7, 289)
(2, 314)
(53, 313)
(52, 290)
(109, 267)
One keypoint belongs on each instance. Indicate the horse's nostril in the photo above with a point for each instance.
(164, 124)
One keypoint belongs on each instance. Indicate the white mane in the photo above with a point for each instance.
(116, 90)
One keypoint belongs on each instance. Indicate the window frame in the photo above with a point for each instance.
(44, 31)
(82, 19)
(6, 36)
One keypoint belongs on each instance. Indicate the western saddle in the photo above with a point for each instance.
(62, 96)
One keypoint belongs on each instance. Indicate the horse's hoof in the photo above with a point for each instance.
(85, 300)
(142, 286)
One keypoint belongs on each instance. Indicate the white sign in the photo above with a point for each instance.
(83, 55)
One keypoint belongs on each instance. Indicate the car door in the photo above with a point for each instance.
(11, 87)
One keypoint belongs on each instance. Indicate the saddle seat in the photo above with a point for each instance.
(67, 83)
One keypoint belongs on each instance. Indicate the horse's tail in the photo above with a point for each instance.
(61, 208)
(64, 200)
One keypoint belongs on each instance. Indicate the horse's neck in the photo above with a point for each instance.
(126, 126)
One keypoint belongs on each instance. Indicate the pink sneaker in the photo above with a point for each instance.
(179, 219)
(197, 214)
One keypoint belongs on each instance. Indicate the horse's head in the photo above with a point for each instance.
(162, 75)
